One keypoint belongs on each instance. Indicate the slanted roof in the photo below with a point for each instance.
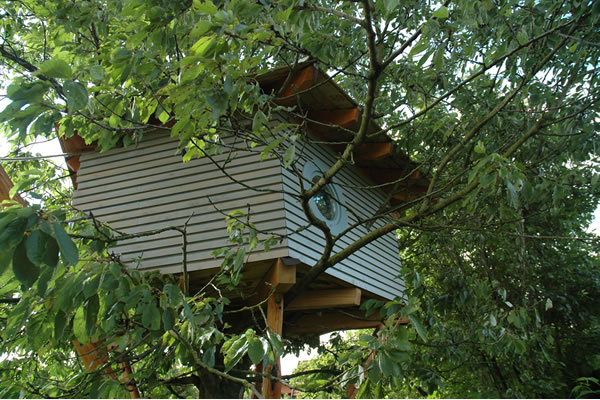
(317, 97)
(324, 103)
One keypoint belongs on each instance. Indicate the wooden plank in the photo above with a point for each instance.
(373, 151)
(343, 118)
(322, 299)
(333, 321)
(301, 81)
(280, 279)
(271, 389)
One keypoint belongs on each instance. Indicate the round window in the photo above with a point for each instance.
(328, 204)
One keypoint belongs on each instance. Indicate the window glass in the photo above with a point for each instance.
(328, 204)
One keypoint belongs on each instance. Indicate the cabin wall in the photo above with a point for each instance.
(148, 187)
(374, 267)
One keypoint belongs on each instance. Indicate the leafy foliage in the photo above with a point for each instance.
(496, 101)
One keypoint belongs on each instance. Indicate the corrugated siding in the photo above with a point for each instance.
(148, 187)
(375, 266)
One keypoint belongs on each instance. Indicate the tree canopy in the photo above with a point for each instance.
(495, 101)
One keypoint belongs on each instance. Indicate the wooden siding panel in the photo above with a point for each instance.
(374, 267)
(148, 187)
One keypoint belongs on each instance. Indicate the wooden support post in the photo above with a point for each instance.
(276, 282)
(272, 389)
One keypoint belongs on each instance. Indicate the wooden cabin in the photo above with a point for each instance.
(148, 187)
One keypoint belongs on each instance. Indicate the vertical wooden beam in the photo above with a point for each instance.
(272, 389)
(277, 281)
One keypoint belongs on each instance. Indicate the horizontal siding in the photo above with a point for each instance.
(375, 267)
(148, 187)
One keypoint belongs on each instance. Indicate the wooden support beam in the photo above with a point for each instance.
(387, 175)
(369, 152)
(332, 321)
(373, 151)
(303, 80)
(275, 305)
(278, 280)
(343, 118)
(322, 299)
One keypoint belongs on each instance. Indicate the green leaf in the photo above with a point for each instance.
(235, 352)
(168, 318)
(288, 156)
(96, 72)
(68, 250)
(386, 365)
(256, 351)
(90, 287)
(259, 121)
(272, 145)
(36, 244)
(44, 280)
(50, 252)
(13, 233)
(206, 7)
(275, 340)
(218, 102)
(421, 46)
(441, 13)
(390, 5)
(419, 328)
(76, 94)
(28, 92)
(201, 28)
(487, 180)
(25, 271)
(92, 307)
(79, 326)
(151, 317)
(55, 68)
(60, 322)
(208, 356)
(204, 47)
(173, 294)
(479, 148)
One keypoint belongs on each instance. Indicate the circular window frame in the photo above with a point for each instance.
(339, 222)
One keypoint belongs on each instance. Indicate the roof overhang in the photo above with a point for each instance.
(332, 117)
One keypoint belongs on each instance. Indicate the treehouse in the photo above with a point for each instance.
(147, 187)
